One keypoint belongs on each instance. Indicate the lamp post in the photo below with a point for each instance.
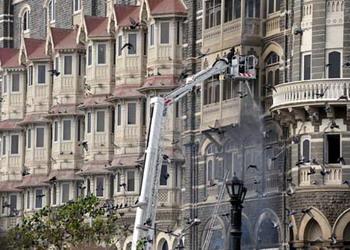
(237, 193)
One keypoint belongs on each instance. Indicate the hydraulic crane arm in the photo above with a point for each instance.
(147, 205)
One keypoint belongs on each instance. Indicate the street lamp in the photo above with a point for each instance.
(237, 192)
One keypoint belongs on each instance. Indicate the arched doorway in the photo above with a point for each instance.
(313, 234)
(268, 235)
(346, 237)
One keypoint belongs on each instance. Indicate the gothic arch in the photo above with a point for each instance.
(294, 227)
(162, 238)
(341, 223)
(272, 47)
(247, 236)
(268, 216)
(320, 218)
(218, 239)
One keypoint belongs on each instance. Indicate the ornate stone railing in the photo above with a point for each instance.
(311, 91)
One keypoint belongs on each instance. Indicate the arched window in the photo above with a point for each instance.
(313, 231)
(268, 234)
(165, 246)
(214, 167)
(306, 150)
(334, 64)
(272, 64)
(25, 20)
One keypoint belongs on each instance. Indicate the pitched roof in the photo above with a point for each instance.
(9, 58)
(124, 12)
(9, 186)
(35, 48)
(33, 181)
(64, 110)
(65, 38)
(126, 91)
(63, 175)
(163, 7)
(95, 101)
(95, 167)
(160, 82)
(96, 26)
(33, 118)
(11, 124)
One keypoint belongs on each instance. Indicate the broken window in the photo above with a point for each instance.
(332, 148)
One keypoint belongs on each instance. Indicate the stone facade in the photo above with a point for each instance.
(87, 126)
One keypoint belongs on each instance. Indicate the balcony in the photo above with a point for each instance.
(226, 112)
(311, 92)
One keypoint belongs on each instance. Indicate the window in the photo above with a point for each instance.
(210, 170)
(39, 198)
(164, 33)
(306, 150)
(88, 187)
(111, 186)
(76, 5)
(131, 113)
(30, 75)
(151, 37)
(230, 89)
(307, 67)
(54, 194)
(120, 45)
(88, 122)
(55, 132)
(25, 21)
(79, 130)
(3, 201)
(132, 38)
(99, 186)
(57, 63)
(130, 181)
(67, 65)
(41, 74)
(65, 192)
(28, 199)
(89, 55)
(14, 144)
(178, 32)
(119, 115)
(29, 138)
(164, 176)
(211, 92)
(100, 121)
(214, 169)
(273, 6)
(332, 151)
(114, 46)
(5, 84)
(4, 145)
(52, 10)
(334, 64)
(13, 204)
(67, 130)
(39, 137)
(101, 53)
(145, 44)
(118, 182)
(212, 13)
(15, 83)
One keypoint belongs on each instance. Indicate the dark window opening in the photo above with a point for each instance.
(333, 148)
(334, 65)
(307, 67)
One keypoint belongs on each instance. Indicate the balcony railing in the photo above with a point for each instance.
(311, 91)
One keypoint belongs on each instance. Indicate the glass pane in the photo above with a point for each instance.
(119, 114)
(66, 130)
(90, 55)
(132, 40)
(40, 137)
(55, 131)
(131, 113)
(65, 192)
(334, 65)
(101, 57)
(100, 121)
(14, 144)
(68, 65)
(307, 67)
(120, 45)
(271, 6)
(131, 181)
(99, 186)
(41, 73)
(15, 82)
(164, 175)
(306, 150)
(164, 32)
(38, 198)
(4, 145)
(89, 122)
(152, 35)
(29, 138)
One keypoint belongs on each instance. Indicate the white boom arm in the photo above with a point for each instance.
(147, 205)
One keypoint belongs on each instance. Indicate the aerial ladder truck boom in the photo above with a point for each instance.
(147, 202)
